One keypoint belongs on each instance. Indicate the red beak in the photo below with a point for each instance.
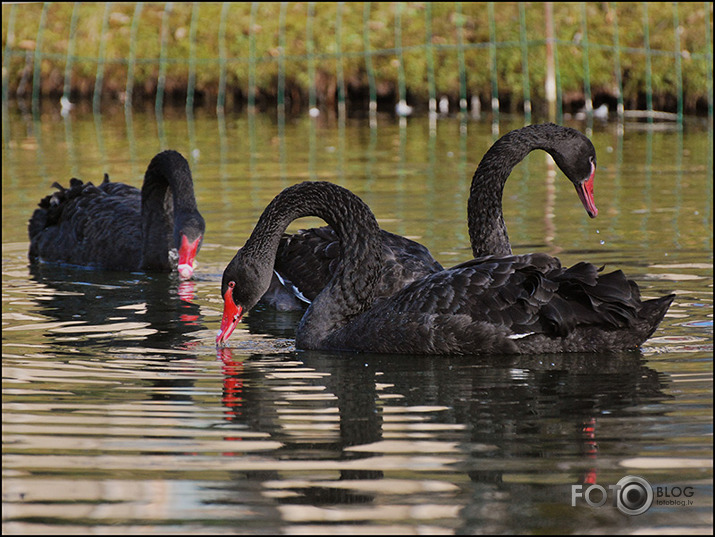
(231, 315)
(187, 257)
(585, 193)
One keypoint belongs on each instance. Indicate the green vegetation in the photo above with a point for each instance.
(287, 48)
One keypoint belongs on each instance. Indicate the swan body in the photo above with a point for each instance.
(306, 260)
(494, 304)
(114, 226)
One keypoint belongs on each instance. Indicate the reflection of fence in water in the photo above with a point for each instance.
(340, 55)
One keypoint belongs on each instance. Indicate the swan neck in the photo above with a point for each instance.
(167, 193)
(487, 229)
(352, 287)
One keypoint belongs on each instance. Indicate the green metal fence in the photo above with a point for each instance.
(644, 59)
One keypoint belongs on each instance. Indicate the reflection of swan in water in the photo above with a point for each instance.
(498, 413)
(140, 310)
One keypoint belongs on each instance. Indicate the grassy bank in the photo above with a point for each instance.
(330, 51)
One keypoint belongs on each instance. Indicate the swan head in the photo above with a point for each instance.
(575, 155)
(189, 235)
(232, 314)
(244, 282)
(584, 189)
(187, 256)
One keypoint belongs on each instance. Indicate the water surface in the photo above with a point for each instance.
(119, 414)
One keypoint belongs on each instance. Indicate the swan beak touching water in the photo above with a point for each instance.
(584, 189)
(187, 257)
(231, 316)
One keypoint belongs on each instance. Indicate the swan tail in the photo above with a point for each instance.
(653, 312)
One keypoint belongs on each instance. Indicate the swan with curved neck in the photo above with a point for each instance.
(307, 258)
(573, 153)
(512, 304)
(114, 226)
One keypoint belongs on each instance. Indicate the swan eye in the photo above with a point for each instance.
(231, 284)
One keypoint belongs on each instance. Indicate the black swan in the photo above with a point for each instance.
(511, 304)
(306, 260)
(114, 226)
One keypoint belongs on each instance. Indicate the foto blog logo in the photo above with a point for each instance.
(632, 495)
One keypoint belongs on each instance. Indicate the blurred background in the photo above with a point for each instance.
(546, 58)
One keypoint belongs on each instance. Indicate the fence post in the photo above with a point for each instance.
(161, 81)
(70, 55)
(493, 61)
(678, 67)
(430, 60)
(339, 60)
(129, 89)
(37, 74)
(252, 59)
(550, 84)
(221, 97)
(648, 73)
(192, 58)
(310, 49)
(586, 66)
(525, 63)
(99, 79)
(281, 61)
(617, 66)
(372, 107)
(460, 55)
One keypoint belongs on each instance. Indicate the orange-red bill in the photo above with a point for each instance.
(585, 194)
(187, 256)
(231, 316)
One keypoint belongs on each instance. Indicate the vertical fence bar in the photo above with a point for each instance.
(280, 104)
(221, 96)
(524, 63)
(707, 216)
(372, 107)
(493, 65)
(617, 63)
(678, 66)
(9, 44)
(559, 89)
(586, 64)
(99, 78)
(430, 59)
(281, 90)
(36, 75)
(191, 87)
(67, 89)
(550, 82)
(310, 49)
(709, 63)
(161, 80)
(460, 57)
(648, 67)
(339, 59)
(402, 91)
(252, 59)
(129, 90)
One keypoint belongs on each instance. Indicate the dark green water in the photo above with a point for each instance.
(119, 415)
